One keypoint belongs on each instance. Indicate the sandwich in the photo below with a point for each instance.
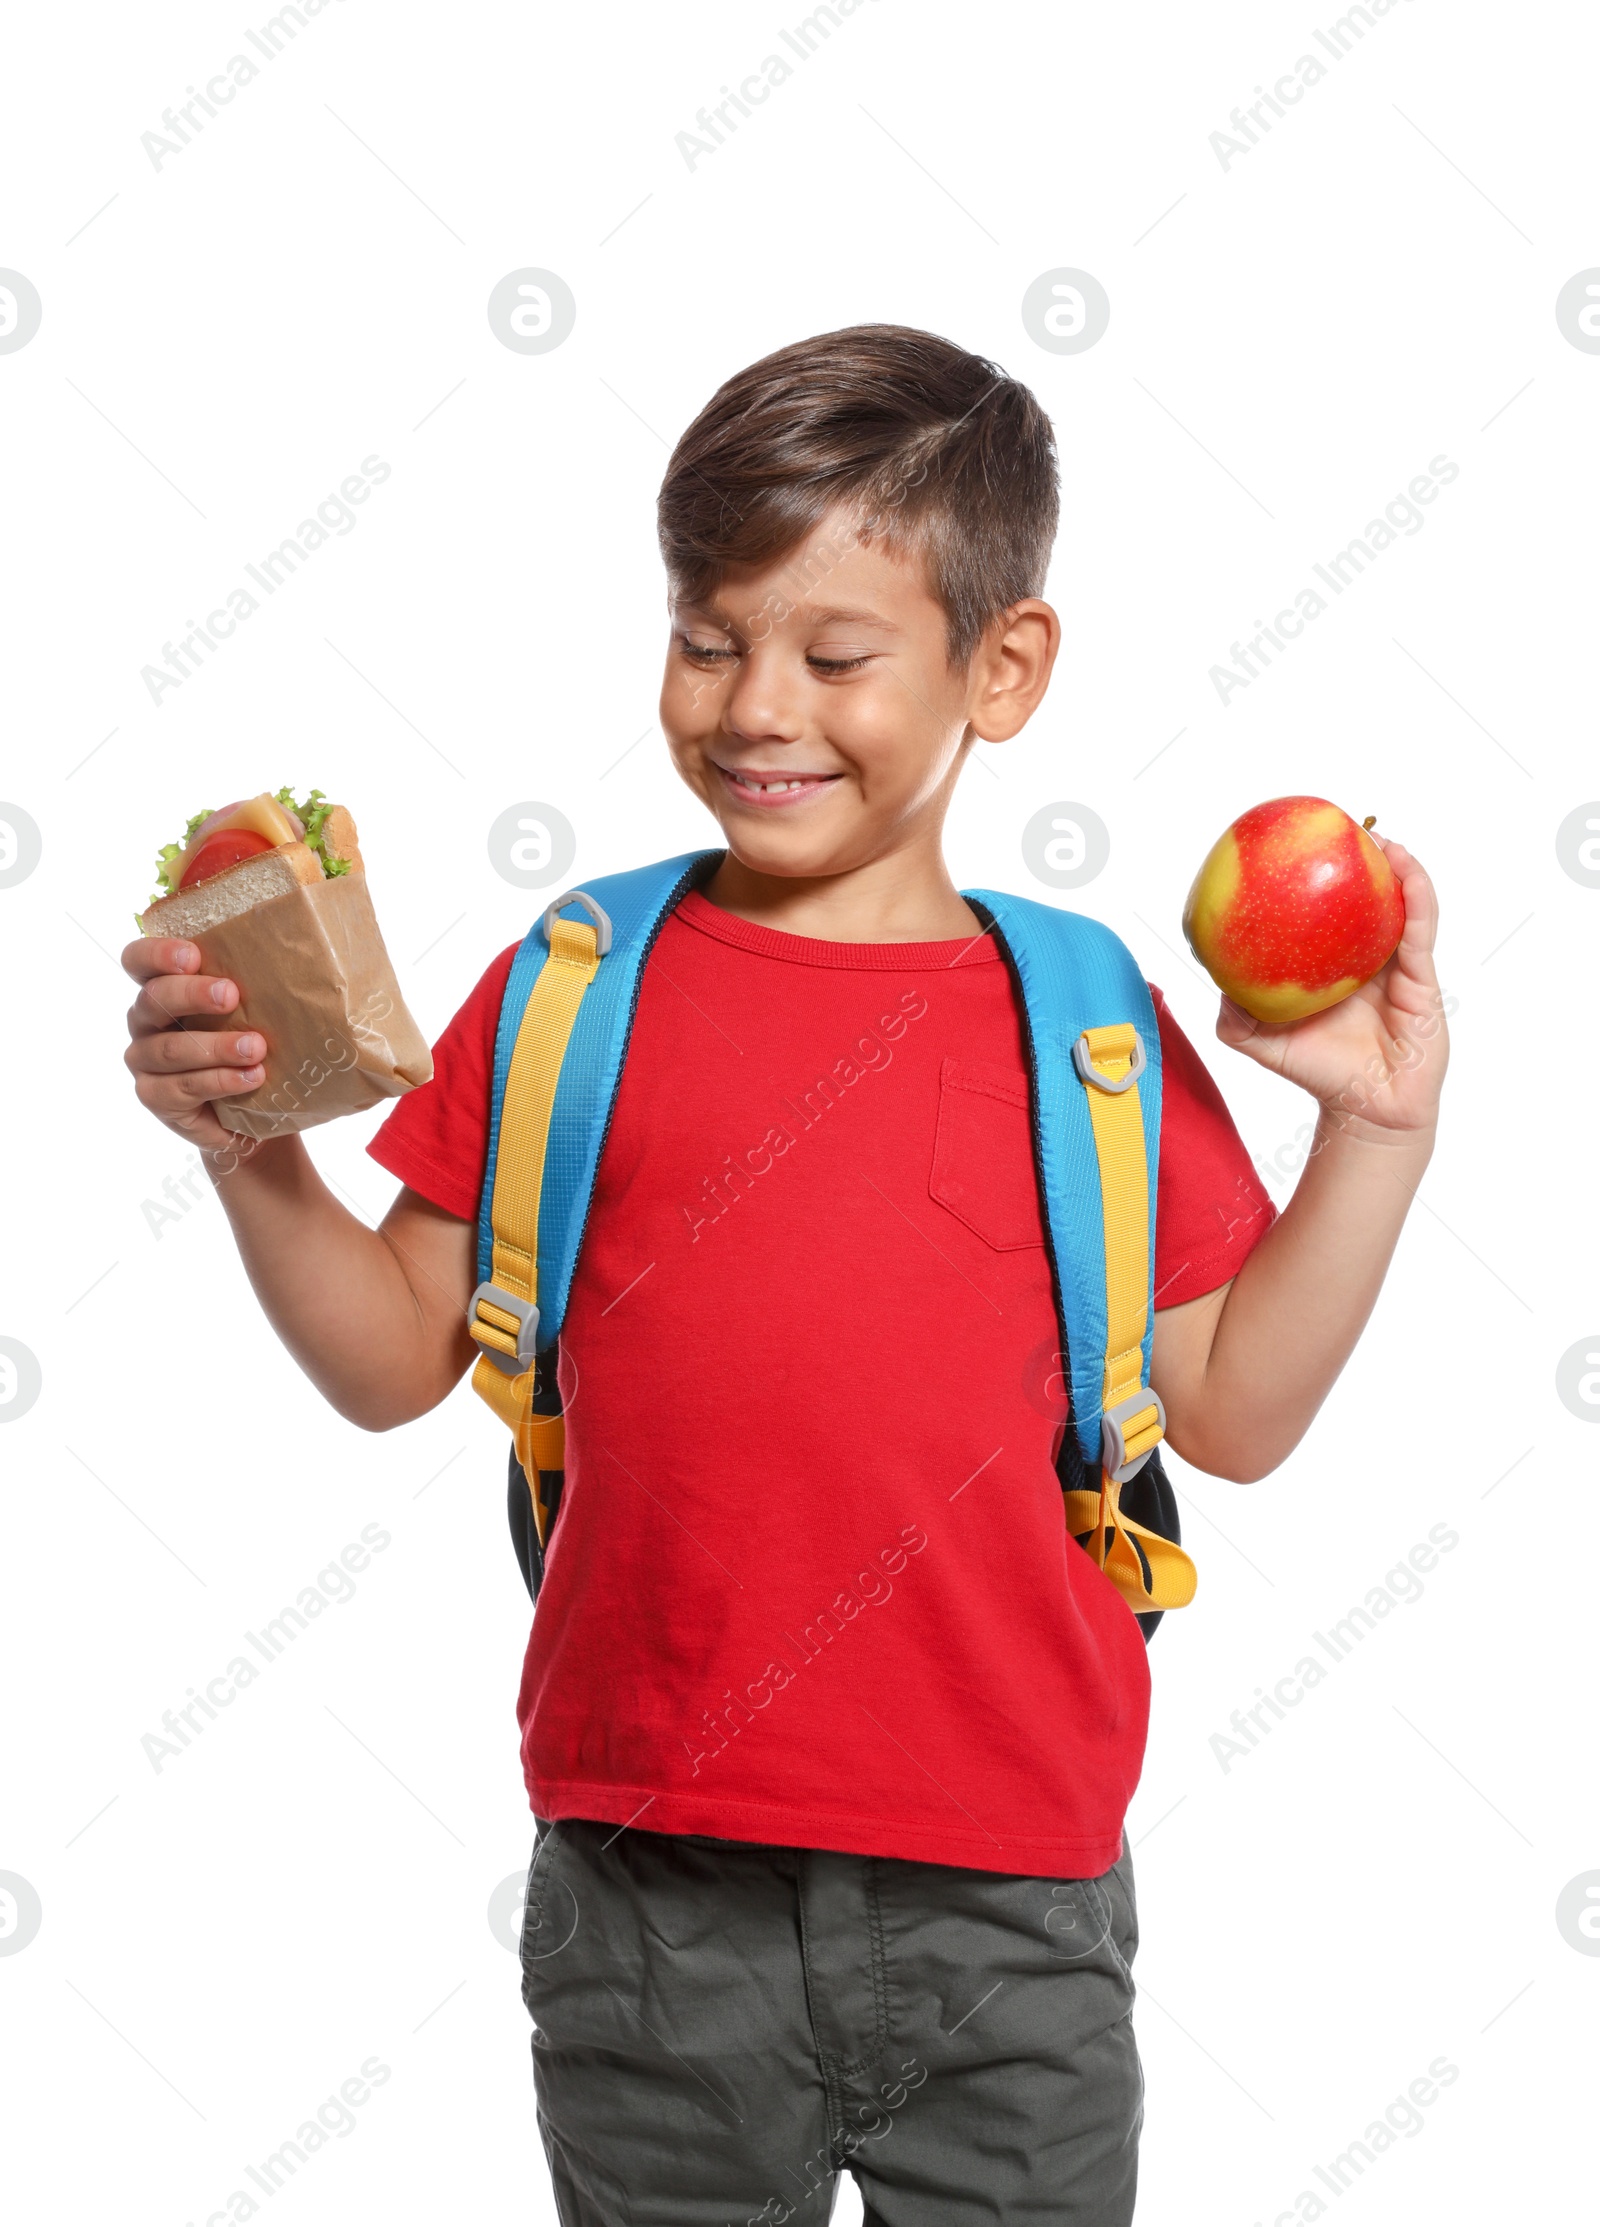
(274, 894)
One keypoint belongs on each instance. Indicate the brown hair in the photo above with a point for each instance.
(934, 450)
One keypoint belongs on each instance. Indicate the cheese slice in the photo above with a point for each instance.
(264, 815)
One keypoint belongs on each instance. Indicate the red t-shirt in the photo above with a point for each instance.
(811, 1583)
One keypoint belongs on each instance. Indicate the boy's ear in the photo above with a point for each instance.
(1011, 670)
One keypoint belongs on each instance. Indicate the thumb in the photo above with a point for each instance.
(1242, 1032)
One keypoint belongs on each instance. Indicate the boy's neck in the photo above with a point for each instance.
(906, 897)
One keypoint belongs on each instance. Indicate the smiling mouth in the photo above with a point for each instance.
(765, 790)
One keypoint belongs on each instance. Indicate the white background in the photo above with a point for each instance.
(223, 1943)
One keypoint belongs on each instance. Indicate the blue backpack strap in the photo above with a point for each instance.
(636, 903)
(1074, 974)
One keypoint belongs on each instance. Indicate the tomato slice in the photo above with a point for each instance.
(223, 849)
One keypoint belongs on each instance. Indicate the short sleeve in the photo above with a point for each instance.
(1211, 1207)
(437, 1139)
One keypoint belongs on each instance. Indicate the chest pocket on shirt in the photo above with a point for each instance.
(983, 1168)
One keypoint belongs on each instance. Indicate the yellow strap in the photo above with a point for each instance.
(525, 1110)
(1097, 1519)
(1118, 1123)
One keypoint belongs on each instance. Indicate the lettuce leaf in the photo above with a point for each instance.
(170, 856)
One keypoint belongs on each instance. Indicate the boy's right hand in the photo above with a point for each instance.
(178, 1071)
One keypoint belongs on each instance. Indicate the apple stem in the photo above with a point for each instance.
(1370, 822)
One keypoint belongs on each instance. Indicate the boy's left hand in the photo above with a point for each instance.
(1378, 1058)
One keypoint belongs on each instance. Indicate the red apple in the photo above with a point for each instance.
(1294, 907)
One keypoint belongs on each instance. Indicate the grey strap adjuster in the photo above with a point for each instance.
(527, 1314)
(1091, 1074)
(1113, 1447)
(597, 913)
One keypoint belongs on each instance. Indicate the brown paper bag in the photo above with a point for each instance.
(315, 980)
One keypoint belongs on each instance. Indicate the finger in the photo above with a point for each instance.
(167, 1095)
(1416, 886)
(1242, 1032)
(201, 1126)
(1415, 949)
(181, 1051)
(1239, 1024)
(173, 997)
(151, 955)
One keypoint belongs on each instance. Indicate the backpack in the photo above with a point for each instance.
(1094, 1059)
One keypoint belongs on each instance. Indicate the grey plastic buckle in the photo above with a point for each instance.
(1113, 1446)
(527, 1314)
(597, 913)
(1091, 1074)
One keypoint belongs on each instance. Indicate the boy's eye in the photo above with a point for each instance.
(705, 653)
(836, 664)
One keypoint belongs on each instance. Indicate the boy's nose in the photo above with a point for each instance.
(761, 707)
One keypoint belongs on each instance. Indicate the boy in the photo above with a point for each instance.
(828, 1725)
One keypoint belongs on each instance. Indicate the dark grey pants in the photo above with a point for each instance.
(722, 2028)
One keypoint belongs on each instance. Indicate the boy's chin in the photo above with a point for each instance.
(786, 855)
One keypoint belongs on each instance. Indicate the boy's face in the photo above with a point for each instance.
(811, 705)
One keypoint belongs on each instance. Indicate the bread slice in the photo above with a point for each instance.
(339, 838)
(190, 912)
